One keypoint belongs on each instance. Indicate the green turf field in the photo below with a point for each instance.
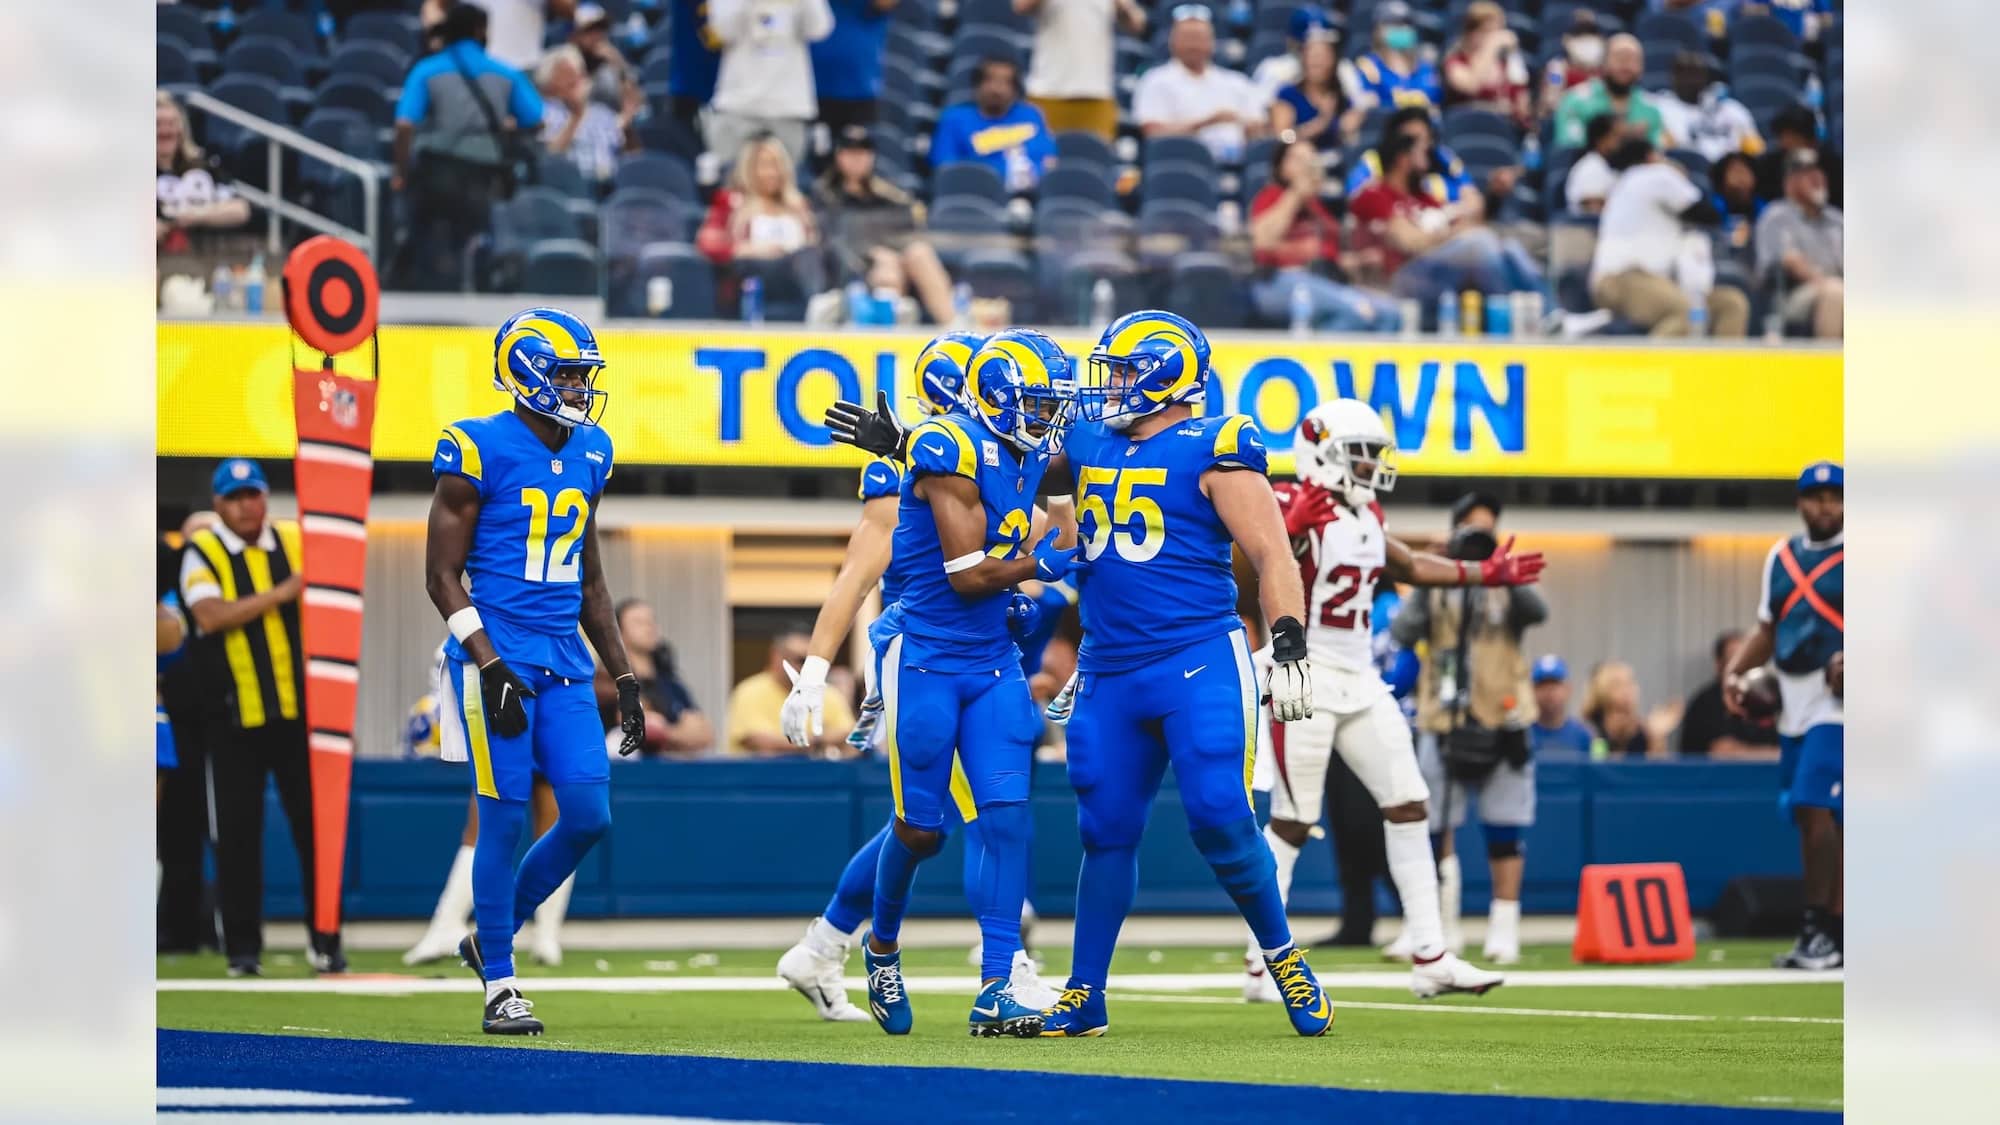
(1609, 1041)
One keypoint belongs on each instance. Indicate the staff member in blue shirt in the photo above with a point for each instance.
(996, 128)
(847, 65)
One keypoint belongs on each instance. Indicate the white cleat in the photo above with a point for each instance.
(547, 953)
(821, 979)
(1026, 983)
(433, 946)
(1502, 952)
(1258, 987)
(1450, 974)
(1399, 949)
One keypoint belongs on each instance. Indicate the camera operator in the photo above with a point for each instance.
(1474, 704)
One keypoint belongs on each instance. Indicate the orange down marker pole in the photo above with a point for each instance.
(1633, 913)
(332, 302)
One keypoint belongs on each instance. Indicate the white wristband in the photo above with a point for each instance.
(964, 562)
(464, 623)
(812, 671)
(1066, 498)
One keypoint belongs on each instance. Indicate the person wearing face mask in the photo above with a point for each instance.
(1801, 248)
(1580, 60)
(1699, 116)
(1616, 92)
(1393, 74)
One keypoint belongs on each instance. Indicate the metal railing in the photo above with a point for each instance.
(279, 210)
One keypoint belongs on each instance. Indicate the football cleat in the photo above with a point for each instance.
(820, 976)
(1306, 1003)
(1027, 985)
(998, 1012)
(468, 953)
(1078, 1014)
(1815, 952)
(510, 1013)
(1258, 985)
(245, 967)
(888, 1002)
(1502, 952)
(431, 947)
(326, 956)
(1448, 973)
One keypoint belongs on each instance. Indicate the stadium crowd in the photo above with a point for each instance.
(1662, 166)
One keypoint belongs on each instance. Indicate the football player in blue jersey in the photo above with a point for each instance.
(1801, 623)
(951, 679)
(514, 510)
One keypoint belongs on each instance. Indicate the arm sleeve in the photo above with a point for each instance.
(198, 582)
(1148, 100)
(1413, 621)
(1239, 444)
(729, 20)
(816, 20)
(1526, 608)
(1764, 583)
(880, 479)
(525, 102)
(940, 449)
(415, 103)
(458, 453)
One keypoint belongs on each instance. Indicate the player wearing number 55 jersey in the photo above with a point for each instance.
(514, 510)
(1336, 526)
(1165, 674)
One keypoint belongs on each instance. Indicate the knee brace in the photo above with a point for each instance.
(1503, 841)
(1237, 852)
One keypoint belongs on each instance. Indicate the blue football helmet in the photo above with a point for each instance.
(1144, 362)
(941, 371)
(1023, 386)
(548, 360)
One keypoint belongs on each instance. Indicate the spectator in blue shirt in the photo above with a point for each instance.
(694, 60)
(1392, 74)
(463, 119)
(847, 65)
(996, 128)
(1554, 729)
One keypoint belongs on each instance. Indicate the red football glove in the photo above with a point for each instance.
(1507, 569)
(1309, 506)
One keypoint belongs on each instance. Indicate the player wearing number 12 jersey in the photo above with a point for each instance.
(1343, 550)
(514, 510)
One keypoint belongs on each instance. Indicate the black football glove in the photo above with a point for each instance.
(878, 432)
(503, 692)
(631, 717)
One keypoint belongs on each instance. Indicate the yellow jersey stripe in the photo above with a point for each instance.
(276, 643)
(235, 643)
(1228, 438)
(951, 430)
(471, 703)
(468, 453)
(961, 791)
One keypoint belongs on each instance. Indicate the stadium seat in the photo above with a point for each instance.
(1482, 154)
(998, 12)
(659, 172)
(1179, 150)
(533, 214)
(958, 223)
(1765, 98)
(1206, 290)
(1462, 123)
(273, 58)
(1761, 30)
(1084, 148)
(690, 290)
(655, 68)
(173, 63)
(1776, 66)
(378, 62)
(1178, 182)
(560, 267)
(983, 42)
(1695, 164)
(1079, 181)
(1258, 152)
(1004, 273)
(184, 22)
(1172, 227)
(1663, 33)
(634, 217)
(280, 24)
(919, 14)
(344, 130)
(966, 177)
(252, 93)
(397, 30)
(1078, 283)
(661, 131)
(559, 173)
(361, 94)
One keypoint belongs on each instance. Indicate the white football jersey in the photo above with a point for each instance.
(1343, 562)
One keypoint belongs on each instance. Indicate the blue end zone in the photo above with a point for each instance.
(439, 1079)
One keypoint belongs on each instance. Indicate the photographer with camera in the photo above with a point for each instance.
(1474, 704)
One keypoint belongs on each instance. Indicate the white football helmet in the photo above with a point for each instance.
(1344, 447)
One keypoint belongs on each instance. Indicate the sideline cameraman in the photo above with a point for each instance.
(1472, 728)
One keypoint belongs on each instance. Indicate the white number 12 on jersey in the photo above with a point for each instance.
(562, 563)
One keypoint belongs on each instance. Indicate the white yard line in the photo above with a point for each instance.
(1337, 982)
(1483, 1009)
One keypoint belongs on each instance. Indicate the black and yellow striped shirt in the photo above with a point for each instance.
(254, 672)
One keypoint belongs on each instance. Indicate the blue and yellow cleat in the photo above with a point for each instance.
(997, 1013)
(1308, 1005)
(1079, 1014)
(887, 999)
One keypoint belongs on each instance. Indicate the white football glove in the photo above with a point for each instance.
(1059, 709)
(803, 717)
(1288, 687)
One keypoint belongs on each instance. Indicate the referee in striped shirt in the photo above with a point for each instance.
(240, 582)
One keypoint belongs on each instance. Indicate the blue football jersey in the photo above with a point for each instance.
(942, 630)
(1804, 638)
(883, 477)
(526, 561)
(1159, 578)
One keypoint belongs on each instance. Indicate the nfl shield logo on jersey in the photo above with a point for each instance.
(555, 465)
